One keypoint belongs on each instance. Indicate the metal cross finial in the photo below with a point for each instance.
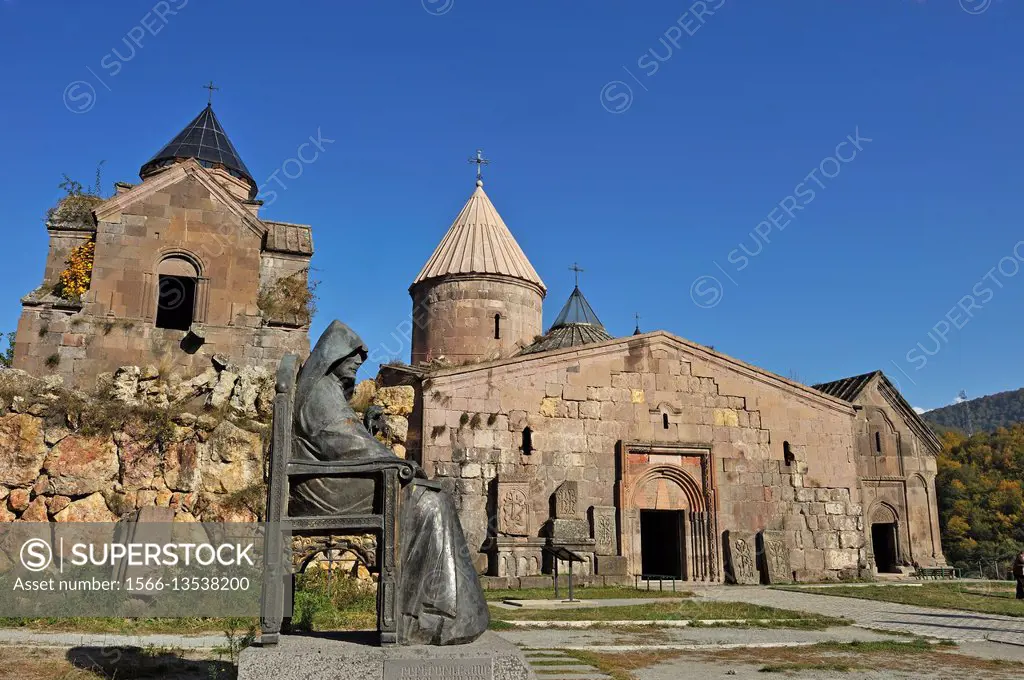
(209, 86)
(576, 268)
(480, 162)
(637, 331)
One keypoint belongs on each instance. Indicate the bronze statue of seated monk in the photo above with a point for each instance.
(440, 599)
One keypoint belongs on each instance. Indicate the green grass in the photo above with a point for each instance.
(984, 597)
(586, 593)
(687, 610)
(797, 667)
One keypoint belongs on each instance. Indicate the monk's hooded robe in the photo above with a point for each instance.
(439, 596)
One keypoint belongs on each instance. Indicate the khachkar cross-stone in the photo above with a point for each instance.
(210, 86)
(480, 162)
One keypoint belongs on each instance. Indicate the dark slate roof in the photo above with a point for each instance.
(203, 139)
(577, 324)
(846, 389)
(283, 237)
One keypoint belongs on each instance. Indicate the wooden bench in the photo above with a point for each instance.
(278, 579)
(937, 573)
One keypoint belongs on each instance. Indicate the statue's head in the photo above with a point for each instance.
(346, 369)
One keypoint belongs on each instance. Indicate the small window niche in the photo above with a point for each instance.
(497, 326)
(787, 454)
(664, 421)
(527, 446)
(178, 282)
(878, 441)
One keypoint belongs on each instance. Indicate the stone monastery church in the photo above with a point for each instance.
(646, 455)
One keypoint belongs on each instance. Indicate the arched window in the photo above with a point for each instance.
(178, 279)
(497, 326)
(527, 441)
(878, 441)
(787, 454)
(664, 421)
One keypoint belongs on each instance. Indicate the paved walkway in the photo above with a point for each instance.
(948, 624)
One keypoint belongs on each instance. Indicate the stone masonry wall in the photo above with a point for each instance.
(454, 318)
(579, 404)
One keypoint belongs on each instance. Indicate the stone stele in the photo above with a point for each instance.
(776, 556)
(566, 500)
(602, 520)
(354, 658)
(741, 558)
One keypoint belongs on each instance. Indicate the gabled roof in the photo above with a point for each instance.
(847, 389)
(576, 324)
(203, 139)
(850, 389)
(479, 242)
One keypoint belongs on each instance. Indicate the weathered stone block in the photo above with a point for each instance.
(611, 565)
(82, 465)
(841, 559)
(570, 531)
(22, 449)
(835, 509)
(851, 539)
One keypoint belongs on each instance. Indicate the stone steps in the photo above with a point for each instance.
(552, 664)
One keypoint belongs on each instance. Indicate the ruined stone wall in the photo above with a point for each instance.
(581, 404)
(454, 318)
(114, 324)
(66, 457)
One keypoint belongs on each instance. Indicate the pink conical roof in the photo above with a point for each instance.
(479, 242)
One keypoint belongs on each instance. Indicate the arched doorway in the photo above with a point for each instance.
(885, 538)
(669, 525)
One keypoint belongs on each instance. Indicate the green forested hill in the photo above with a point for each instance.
(986, 413)
(981, 501)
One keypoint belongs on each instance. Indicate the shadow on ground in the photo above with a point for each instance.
(125, 663)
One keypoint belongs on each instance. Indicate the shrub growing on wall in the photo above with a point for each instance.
(75, 279)
(290, 299)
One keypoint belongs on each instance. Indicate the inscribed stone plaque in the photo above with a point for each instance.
(776, 556)
(570, 531)
(566, 499)
(439, 669)
(514, 507)
(602, 520)
(741, 558)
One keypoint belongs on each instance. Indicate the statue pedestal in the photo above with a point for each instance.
(353, 656)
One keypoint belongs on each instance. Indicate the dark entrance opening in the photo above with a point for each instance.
(883, 541)
(176, 302)
(661, 543)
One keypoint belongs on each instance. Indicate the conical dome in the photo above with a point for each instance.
(576, 324)
(479, 242)
(204, 140)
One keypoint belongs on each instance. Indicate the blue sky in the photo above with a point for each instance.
(651, 142)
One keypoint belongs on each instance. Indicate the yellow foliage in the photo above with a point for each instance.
(75, 279)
